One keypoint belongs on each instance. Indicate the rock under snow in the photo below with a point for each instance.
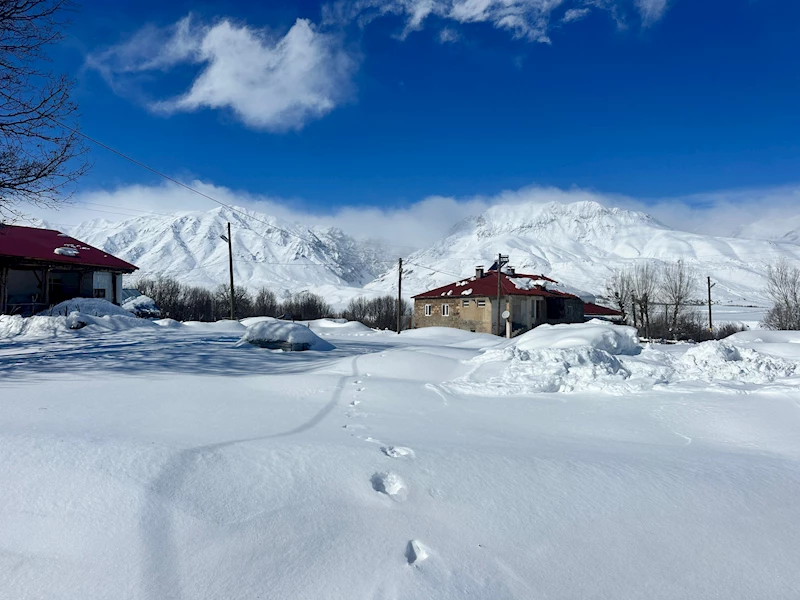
(282, 335)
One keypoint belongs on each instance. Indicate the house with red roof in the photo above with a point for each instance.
(522, 301)
(42, 267)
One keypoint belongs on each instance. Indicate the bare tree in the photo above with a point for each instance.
(619, 290)
(307, 306)
(783, 287)
(265, 304)
(378, 313)
(678, 285)
(41, 151)
(644, 286)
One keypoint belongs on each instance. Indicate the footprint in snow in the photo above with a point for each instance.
(355, 403)
(398, 452)
(357, 382)
(355, 426)
(416, 552)
(391, 484)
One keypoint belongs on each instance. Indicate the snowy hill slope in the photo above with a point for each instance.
(582, 243)
(267, 251)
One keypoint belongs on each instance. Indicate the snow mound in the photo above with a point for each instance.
(96, 307)
(283, 335)
(597, 334)
(721, 360)
(554, 358)
(142, 306)
(339, 326)
(39, 326)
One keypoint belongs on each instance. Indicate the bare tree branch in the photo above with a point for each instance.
(41, 151)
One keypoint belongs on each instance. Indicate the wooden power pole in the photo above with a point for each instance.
(229, 239)
(500, 263)
(710, 321)
(399, 295)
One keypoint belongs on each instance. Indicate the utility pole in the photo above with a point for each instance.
(500, 263)
(399, 294)
(710, 322)
(229, 239)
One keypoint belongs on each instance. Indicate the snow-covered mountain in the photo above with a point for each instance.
(581, 244)
(267, 251)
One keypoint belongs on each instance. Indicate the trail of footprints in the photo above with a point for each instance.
(389, 483)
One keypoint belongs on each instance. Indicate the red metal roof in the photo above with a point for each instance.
(41, 245)
(596, 310)
(487, 286)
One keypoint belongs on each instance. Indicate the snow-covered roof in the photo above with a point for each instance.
(516, 284)
(51, 246)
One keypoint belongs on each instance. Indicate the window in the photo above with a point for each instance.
(465, 303)
(427, 310)
(99, 292)
(445, 310)
(481, 303)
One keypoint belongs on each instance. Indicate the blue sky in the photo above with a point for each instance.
(356, 103)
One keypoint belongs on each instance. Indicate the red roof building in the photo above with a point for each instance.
(472, 303)
(42, 267)
(595, 311)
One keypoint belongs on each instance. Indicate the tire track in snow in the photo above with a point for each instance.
(161, 579)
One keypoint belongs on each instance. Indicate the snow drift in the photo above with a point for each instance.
(283, 335)
(607, 358)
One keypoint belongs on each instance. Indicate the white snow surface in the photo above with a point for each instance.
(274, 330)
(163, 462)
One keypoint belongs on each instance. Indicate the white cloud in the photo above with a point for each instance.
(575, 14)
(528, 19)
(449, 35)
(767, 213)
(270, 83)
(651, 10)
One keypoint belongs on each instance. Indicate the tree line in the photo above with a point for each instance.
(193, 303)
(662, 301)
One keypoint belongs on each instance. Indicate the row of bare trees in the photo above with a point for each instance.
(191, 303)
(379, 313)
(637, 292)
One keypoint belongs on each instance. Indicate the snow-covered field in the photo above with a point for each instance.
(163, 461)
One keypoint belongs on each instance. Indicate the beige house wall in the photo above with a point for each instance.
(471, 317)
(465, 313)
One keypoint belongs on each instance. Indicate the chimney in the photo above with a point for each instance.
(510, 270)
(479, 272)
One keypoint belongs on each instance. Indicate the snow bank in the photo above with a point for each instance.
(553, 358)
(597, 334)
(282, 334)
(97, 307)
(142, 306)
(607, 358)
(39, 326)
(721, 360)
(339, 326)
